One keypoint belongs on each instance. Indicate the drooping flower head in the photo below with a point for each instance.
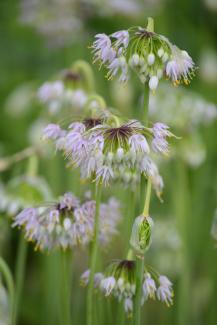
(150, 55)
(105, 151)
(68, 222)
(119, 281)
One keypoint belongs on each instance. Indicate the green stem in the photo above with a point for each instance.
(130, 213)
(93, 258)
(22, 251)
(150, 25)
(140, 263)
(19, 276)
(182, 199)
(66, 288)
(99, 99)
(85, 70)
(147, 198)
(4, 269)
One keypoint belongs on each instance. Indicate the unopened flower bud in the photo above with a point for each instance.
(120, 154)
(141, 234)
(160, 52)
(67, 223)
(153, 82)
(134, 61)
(151, 59)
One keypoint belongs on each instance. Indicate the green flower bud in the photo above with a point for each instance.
(141, 234)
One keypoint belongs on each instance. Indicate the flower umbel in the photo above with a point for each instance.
(150, 55)
(119, 280)
(68, 222)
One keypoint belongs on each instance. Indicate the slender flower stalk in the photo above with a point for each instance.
(141, 263)
(22, 251)
(182, 205)
(86, 74)
(19, 275)
(93, 258)
(140, 260)
(66, 287)
(4, 269)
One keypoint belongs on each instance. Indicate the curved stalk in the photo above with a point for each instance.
(85, 70)
(4, 269)
(99, 99)
(93, 258)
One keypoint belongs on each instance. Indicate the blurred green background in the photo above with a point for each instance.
(40, 38)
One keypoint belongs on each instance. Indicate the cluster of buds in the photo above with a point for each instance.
(119, 281)
(105, 152)
(151, 55)
(68, 222)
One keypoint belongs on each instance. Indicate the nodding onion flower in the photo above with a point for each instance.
(68, 222)
(105, 152)
(56, 96)
(119, 281)
(151, 55)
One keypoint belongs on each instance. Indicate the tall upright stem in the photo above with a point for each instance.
(140, 259)
(140, 262)
(182, 211)
(4, 269)
(93, 258)
(22, 251)
(66, 288)
(19, 276)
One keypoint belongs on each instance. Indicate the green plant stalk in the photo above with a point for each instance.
(93, 258)
(19, 276)
(4, 269)
(182, 206)
(140, 260)
(66, 288)
(86, 73)
(22, 251)
(130, 212)
(140, 263)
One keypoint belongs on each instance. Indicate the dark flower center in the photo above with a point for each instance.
(92, 122)
(128, 264)
(71, 76)
(143, 33)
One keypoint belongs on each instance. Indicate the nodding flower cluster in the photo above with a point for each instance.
(150, 55)
(56, 96)
(105, 152)
(119, 281)
(68, 222)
